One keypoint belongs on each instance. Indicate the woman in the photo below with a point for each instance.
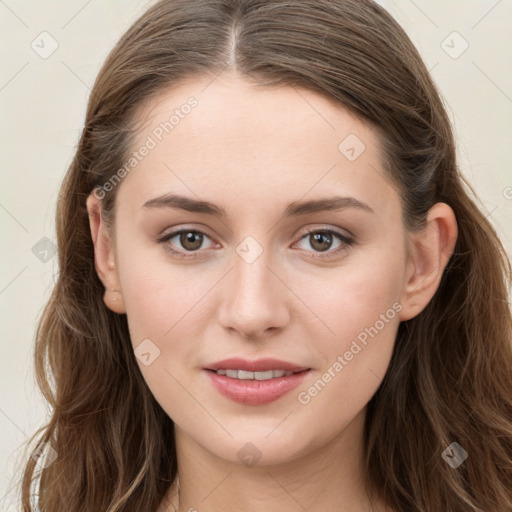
(275, 290)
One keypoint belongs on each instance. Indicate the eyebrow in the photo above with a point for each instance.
(294, 209)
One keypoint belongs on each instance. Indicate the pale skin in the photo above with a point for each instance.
(253, 152)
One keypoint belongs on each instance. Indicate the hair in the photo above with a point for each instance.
(450, 375)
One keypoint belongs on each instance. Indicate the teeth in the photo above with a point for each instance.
(244, 375)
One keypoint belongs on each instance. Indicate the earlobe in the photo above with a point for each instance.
(104, 260)
(113, 299)
(430, 251)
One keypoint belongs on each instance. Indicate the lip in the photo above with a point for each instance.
(255, 392)
(260, 365)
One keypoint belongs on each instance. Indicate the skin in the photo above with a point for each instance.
(253, 151)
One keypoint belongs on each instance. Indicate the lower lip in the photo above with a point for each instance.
(255, 392)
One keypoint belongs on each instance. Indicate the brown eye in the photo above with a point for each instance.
(191, 240)
(184, 242)
(321, 240)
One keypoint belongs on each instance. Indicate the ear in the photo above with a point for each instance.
(429, 252)
(104, 256)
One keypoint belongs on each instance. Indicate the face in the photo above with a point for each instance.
(321, 289)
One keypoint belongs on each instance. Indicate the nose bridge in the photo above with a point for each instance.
(255, 298)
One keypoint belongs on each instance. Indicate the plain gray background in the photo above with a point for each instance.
(466, 44)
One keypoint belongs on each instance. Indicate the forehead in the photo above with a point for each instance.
(228, 135)
(231, 106)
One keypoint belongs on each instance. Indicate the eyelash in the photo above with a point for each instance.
(345, 242)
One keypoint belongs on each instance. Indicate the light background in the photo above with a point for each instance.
(43, 104)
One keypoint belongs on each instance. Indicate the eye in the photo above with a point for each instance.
(321, 240)
(190, 240)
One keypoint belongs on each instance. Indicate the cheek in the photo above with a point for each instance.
(361, 307)
(158, 295)
(354, 297)
(354, 362)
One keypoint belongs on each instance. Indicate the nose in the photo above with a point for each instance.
(255, 299)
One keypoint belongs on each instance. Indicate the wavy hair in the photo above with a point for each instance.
(449, 378)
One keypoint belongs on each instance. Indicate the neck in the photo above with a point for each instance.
(329, 477)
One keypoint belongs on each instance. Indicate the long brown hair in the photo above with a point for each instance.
(449, 379)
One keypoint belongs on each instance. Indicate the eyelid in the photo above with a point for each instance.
(340, 231)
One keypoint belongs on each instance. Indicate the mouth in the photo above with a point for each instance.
(256, 383)
(246, 375)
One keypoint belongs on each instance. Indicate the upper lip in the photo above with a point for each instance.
(260, 365)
